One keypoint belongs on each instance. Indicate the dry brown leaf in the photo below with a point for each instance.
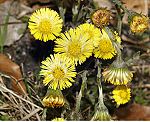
(133, 112)
(11, 69)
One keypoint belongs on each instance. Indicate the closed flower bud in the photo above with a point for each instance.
(101, 17)
(101, 115)
(53, 99)
(118, 73)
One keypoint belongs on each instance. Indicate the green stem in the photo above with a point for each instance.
(101, 112)
(99, 76)
(119, 23)
(83, 86)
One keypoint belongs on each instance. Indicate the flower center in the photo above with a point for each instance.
(58, 73)
(45, 26)
(74, 49)
(123, 95)
(105, 45)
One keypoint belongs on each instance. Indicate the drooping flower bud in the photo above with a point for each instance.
(54, 98)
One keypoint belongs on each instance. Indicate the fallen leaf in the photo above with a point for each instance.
(11, 69)
(133, 112)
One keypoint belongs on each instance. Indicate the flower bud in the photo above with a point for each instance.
(53, 99)
(139, 23)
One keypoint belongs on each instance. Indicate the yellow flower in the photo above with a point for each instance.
(58, 119)
(91, 31)
(105, 49)
(121, 94)
(54, 98)
(45, 24)
(101, 17)
(75, 45)
(139, 23)
(58, 71)
(117, 76)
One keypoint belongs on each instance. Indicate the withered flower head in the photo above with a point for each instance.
(101, 17)
(54, 98)
(139, 23)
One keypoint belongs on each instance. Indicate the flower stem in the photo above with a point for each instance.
(101, 112)
(78, 101)
(100, 98)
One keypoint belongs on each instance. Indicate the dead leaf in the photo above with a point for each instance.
(133, 112)
(11, 69)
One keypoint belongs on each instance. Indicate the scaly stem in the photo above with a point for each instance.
(99, 78)
(83, 86)
(101, 112)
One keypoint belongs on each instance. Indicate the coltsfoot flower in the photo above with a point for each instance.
(101, 17)
(58, 71)
(45, 24)
(105, 49)
(58, 119)
(117, 76)
(91, 32)
(75, 45)
(139, 23)
(121, 94)
(54, 98)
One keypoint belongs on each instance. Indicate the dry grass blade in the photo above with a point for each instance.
(31, 114)
(21, 108)
(5, 89)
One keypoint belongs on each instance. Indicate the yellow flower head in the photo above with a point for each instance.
(75, 45)
(58, 71)
(91, 31)
(121, 94)
(139, 23)
(45, 24)
(105, 49)
(101, 17)
(117, 76)
(58, 119)
(53, 99)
